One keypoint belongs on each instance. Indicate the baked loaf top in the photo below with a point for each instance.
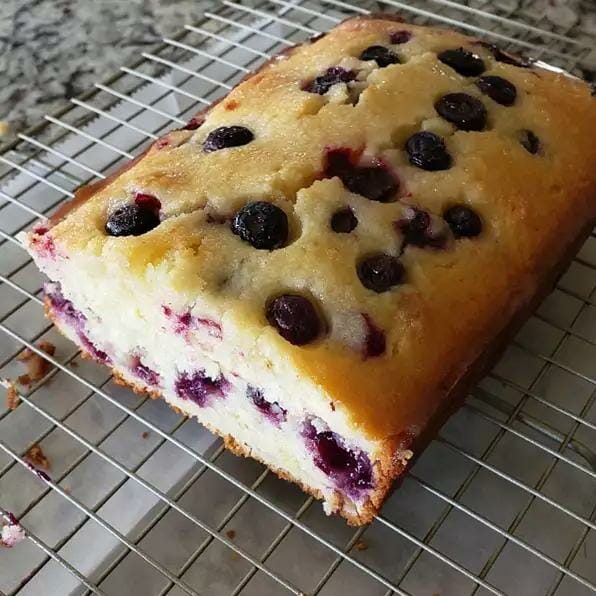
(409, 252)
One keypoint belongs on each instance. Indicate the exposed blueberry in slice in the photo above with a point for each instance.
(349, 468)
(227, 136)
(144, 373)
(506, 57)
(132, 220)
(193, 123)
(343, 221)
(380, 272)
(427, 151)
(93, 350)
(199, 388)
(530, 142)
(375, 182)
(62, 305)
(463, 221)
(463, 62)
(272, 410)
(398, 37)
(462, 110)
(332, 76)
(498, 89)
(295, 318)
(374, 342)
(262, 225)
(381, 55)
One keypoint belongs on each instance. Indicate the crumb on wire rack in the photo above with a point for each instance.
(12, 533)
(37, 457)
(12, 397)
(145, 435)
(37, 366)
(361, 545)
(231, 534)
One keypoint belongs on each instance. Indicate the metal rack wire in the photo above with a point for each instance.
(504, 501)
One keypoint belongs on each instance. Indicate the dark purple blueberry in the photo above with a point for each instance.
(463, 62)
(529, 141)
(427, 151)
(462, 110)
(144, 373)
(506, 57)
(398, 37)
(375, 342)
(463, 221)
(193, 124)
(374, 182)
(417, 230)
(332, 76)
(199, 388)
(295, 318)
(498, 89)
(349, 468)
(132, 220)
(262, 225)
(271, 409)
(380, 54)
(380, 272)
(227, 136)
(343, 221)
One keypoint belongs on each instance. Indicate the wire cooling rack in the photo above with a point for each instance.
(140, 501)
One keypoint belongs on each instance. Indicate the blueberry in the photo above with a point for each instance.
(271, 409)
(463, 221)
(132, 220)
(506, 57)
(399, 37)
(373, 182)
(350, 468)
(227, 136)
(343, 221)
(427, 151)
(332, 76)
(262, 225)
(529, 141)
(463, 62)
(295, 318)
(199, 388)
(462, 110)
(381, 55)
(380, 272)
(418, 230)
(498, 89)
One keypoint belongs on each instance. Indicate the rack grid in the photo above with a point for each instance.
(502, 502)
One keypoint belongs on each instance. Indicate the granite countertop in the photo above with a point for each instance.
(51, 50)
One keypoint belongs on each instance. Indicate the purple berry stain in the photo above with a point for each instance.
(271, 409)
(375, 342)
(184, 323)
(199, 388)
(350, 469)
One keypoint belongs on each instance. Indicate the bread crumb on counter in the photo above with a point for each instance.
(37, 457)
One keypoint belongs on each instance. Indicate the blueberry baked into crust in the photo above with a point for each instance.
(320, 265)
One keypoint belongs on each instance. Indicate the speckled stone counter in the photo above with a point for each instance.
(51, 50)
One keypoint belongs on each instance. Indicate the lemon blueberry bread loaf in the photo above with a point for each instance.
(319, 266)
